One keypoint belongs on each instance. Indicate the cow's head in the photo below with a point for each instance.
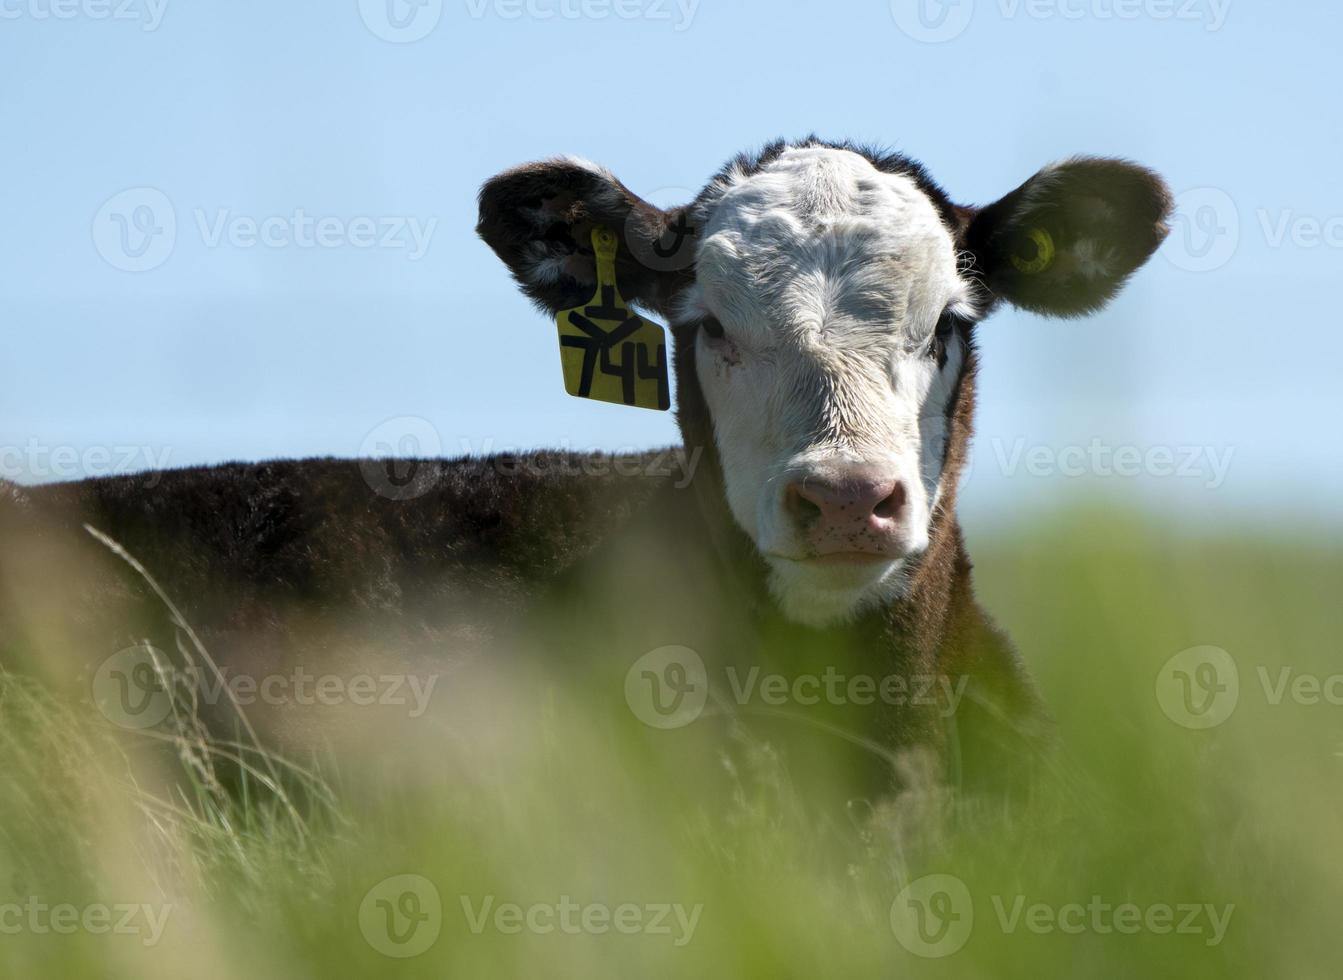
(823, 300)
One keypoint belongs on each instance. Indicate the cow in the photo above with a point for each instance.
(822, 300)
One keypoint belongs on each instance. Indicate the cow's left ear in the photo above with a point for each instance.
(1065, 242)
(539, 219)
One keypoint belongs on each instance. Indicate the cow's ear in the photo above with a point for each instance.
(1065, 242)
(539, 218)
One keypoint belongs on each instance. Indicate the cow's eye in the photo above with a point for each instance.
(712, 329)
(946, 325)
(937, 348)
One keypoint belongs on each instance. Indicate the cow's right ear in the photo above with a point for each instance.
(539, 218)
(1065, 242)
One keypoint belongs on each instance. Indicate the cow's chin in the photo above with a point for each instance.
(821, 594)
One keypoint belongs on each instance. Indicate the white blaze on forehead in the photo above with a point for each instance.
(820, 239)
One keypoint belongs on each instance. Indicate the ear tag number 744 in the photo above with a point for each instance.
(609, 352)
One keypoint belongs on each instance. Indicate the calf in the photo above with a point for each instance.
(822, 301)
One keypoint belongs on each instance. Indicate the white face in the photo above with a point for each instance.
(829, 279)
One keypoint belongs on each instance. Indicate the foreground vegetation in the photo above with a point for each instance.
(1189, 825)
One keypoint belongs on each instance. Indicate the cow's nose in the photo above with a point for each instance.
(853, 512)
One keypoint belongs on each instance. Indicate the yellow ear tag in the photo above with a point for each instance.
(609, 352)
(1044, 254)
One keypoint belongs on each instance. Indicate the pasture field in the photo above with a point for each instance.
(1190, 824)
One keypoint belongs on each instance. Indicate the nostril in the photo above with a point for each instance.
(803, 510)
(890, 508)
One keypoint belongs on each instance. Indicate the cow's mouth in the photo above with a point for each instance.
(838, 559)
(846, 558)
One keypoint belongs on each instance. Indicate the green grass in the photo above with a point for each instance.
(1137, 809)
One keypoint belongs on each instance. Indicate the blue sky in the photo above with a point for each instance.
(319, 168)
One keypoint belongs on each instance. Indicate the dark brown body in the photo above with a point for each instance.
(538, 566)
